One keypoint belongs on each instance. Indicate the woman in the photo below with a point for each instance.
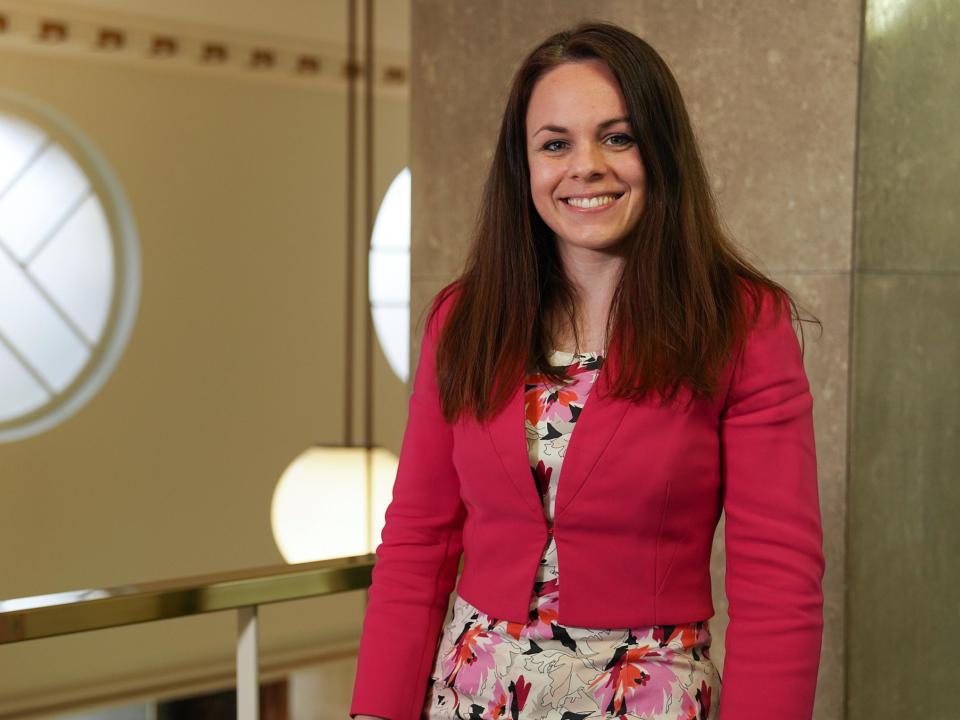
(599, 269)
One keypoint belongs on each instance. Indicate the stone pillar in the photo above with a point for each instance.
(904, 488)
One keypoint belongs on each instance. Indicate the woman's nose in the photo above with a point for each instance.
(586, 160)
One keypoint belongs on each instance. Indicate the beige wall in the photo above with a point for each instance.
(233, 368)
(772, 90)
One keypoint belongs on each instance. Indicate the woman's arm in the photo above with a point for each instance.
(417, 559)
(774, 541)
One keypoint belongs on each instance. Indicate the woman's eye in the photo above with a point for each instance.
(621, 140)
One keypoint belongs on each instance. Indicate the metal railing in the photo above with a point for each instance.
(42, 616)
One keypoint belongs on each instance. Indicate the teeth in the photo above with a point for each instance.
(592, 202)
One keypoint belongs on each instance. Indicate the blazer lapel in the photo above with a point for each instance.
(509, 438)
(595, 427)
(592, 433)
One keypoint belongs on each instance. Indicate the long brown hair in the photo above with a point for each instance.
(676, 316)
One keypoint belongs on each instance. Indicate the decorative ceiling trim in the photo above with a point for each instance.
(133, 39)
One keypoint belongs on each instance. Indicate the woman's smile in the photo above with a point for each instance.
(587, 205)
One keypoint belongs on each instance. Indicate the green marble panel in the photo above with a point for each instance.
(909, 148)
(903, 619)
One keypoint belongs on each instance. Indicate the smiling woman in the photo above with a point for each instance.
(587, 179)
(604, 378)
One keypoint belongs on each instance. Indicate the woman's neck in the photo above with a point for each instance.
(593, 324)
(594, 274)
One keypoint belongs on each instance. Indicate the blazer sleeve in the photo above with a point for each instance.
(417, 559)
(773, 533)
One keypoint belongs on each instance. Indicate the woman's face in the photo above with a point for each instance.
(580, 146)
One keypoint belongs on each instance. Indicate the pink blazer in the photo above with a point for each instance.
(642, 490)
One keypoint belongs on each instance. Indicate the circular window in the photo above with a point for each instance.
(69, 269)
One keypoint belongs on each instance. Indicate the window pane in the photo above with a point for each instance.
(20, 393)
(389, 277)
(76, 268)
(392, 227)
(40, 200)
(18, 142)
(31, 325)
(393, 329)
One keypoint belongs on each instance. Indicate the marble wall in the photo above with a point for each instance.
(772, 91)
(904, 488)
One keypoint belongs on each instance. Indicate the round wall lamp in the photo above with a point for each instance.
(330, 502)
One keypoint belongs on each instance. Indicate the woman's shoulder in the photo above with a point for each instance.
(763, 305)
(771, 353)
(439, 308)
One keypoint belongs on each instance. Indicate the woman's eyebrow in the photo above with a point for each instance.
(605, 124)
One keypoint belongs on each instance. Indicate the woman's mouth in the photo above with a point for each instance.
(594, 204)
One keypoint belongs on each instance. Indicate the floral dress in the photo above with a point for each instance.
(487, 669)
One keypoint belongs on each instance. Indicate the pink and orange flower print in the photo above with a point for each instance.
(492, 669)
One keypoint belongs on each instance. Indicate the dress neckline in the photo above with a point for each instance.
(559, 358)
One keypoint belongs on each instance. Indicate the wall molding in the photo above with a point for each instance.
(132, 39)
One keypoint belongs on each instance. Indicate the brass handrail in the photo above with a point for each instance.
(41, 616)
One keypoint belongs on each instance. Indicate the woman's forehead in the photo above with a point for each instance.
(574, 95)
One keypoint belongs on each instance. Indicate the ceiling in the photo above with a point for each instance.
(323, 20)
